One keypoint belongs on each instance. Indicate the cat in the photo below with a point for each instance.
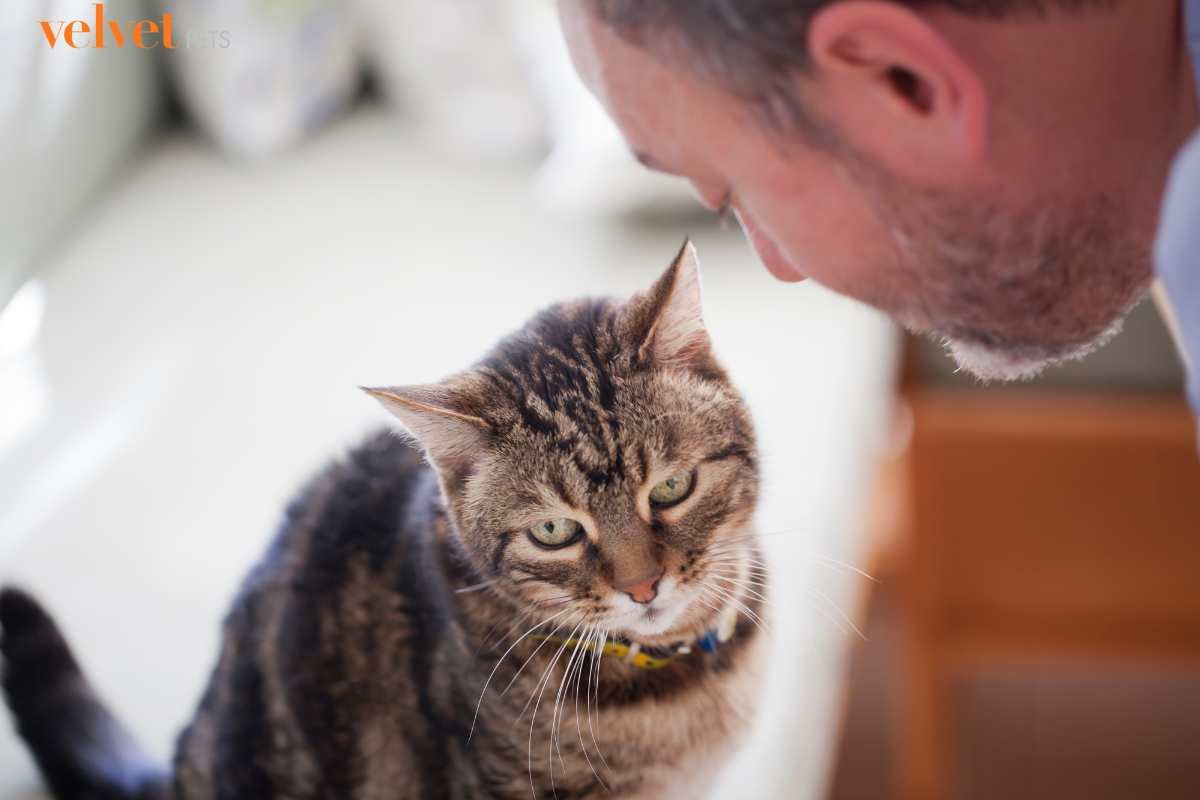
(555, 592)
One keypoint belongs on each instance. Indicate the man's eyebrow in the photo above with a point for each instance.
(645, 159)
(649, 162)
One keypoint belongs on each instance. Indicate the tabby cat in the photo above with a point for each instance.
(558, 595)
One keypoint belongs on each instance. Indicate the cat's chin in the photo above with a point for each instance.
(649, 624)
(659, 626)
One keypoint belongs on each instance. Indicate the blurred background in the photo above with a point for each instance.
(205, 249)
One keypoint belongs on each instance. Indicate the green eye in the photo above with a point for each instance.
(556, 532)
(671, 491)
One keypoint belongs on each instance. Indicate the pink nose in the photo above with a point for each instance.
(643, 591)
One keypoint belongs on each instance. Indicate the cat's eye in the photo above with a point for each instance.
(556, 532)
(673, 490)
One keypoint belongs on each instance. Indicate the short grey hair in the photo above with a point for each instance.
(754, 48)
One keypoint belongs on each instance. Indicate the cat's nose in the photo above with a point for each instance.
(645, 589)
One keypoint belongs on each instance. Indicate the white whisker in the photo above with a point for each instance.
(541, 644)
(499, 662)
(556, 714)
(844, 565)
(594, 640)
(591, 726)
(728, 574)
(543, 681)
(741, 586)
(728, 596)
(476, 588)
(839, 611)
(727, 546)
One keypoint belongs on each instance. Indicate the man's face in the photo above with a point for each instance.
(1012, 279)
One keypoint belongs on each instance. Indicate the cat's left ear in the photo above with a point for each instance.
(440, 419)
(668, 319)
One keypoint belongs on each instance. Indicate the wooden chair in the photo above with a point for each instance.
(1039, 526)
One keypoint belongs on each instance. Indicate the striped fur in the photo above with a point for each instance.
(380, 651)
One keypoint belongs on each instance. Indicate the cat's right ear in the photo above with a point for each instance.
(666, 322)
(436, 417)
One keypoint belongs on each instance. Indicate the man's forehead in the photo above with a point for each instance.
(577, 29)
(604, 61)
(642, 96)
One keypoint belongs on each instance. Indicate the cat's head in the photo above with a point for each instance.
(599, 463)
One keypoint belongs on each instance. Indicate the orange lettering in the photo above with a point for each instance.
(117, 33)
(51, 36)
(99, 28)
(145, 26)
(168, 42)
(71, 31)
(73, 27)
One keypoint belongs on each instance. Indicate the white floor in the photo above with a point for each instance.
(201, 344)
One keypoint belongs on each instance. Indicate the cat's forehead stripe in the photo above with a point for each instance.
(561, 374)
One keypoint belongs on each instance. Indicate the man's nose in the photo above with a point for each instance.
(644, 588)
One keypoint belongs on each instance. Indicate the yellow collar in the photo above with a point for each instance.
(635, 655)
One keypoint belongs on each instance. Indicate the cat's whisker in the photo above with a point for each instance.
(559, 699)
(536, 650)
(728, 596)
(555, 602)
(741, 586)
(543, 681)
(479, 587)
(532, 610)
(591, 725)
(833, 562)
(747, 537)
(738, 553)
(845, 566)
(546, 672)
(750, 584)
(748, 589)
(735, 557)
(738, 576)
(486, 641)
(589, 640)
(739, 563)
(716, 611)
(486, 683)
(765, 534)
(742, 583)
(594, 653)
(737, 571)
(741, 550)
(586, 639)
(713, 600)
(827, 599)
(723, 602)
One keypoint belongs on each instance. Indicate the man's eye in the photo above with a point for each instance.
(556, 532)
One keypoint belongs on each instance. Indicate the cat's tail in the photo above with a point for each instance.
(83, 751)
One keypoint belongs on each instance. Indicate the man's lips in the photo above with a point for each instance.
(768, 252)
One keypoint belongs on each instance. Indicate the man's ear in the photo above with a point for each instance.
(667, 321)
(896, 86)
(437, 416)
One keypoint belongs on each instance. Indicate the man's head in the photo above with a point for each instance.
(986, 170)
